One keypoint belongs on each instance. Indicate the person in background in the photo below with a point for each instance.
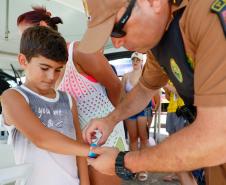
(43, 122)
(136, 124)
(88, 78)
(152, 107)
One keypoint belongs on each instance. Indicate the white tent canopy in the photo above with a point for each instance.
(70, 11)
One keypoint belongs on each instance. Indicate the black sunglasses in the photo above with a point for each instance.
(117, 31)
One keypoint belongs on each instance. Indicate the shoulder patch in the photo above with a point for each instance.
(219, 7)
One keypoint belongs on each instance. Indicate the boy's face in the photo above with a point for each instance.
(41, 73)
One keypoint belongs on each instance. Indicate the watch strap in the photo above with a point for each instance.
(120, 169)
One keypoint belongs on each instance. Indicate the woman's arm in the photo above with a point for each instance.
(97, 66)
(17, 111)
(81, 161)
(157, 100)
(170, 88)
(123, 82)
(167, 93)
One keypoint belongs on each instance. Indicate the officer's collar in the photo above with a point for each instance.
(175, 6)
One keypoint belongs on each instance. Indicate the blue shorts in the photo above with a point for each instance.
(144, 113)
(140, 114)
(148, 112)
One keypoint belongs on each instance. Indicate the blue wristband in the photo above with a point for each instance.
(91, 154)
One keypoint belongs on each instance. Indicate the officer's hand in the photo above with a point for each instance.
(105, 161)
(102, 125)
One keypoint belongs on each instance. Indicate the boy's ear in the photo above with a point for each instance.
(22, 60)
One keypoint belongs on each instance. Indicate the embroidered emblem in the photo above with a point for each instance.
(219, 7)
(85, 5)
(176, 70)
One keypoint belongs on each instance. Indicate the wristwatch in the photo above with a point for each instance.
(120, 169)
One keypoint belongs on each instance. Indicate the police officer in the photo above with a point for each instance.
(186, 43)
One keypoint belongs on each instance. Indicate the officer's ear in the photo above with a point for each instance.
(144, 2)
(156, 5)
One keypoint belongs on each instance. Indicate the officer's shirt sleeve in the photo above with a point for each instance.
(153, 76)
(205, 43)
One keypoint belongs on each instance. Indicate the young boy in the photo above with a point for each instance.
(44, 122)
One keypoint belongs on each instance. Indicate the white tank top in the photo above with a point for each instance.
(91, 99)
(49, 168)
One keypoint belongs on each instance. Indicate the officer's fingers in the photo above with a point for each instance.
(94, 161)
(89, 132)
(90, 161)
(99, 150)
(103, 138)
(86, 140)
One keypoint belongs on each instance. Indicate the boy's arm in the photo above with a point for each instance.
(17, 112)
(81, 161)
(83, 171)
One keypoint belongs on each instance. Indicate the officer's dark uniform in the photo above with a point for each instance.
(192, 53)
